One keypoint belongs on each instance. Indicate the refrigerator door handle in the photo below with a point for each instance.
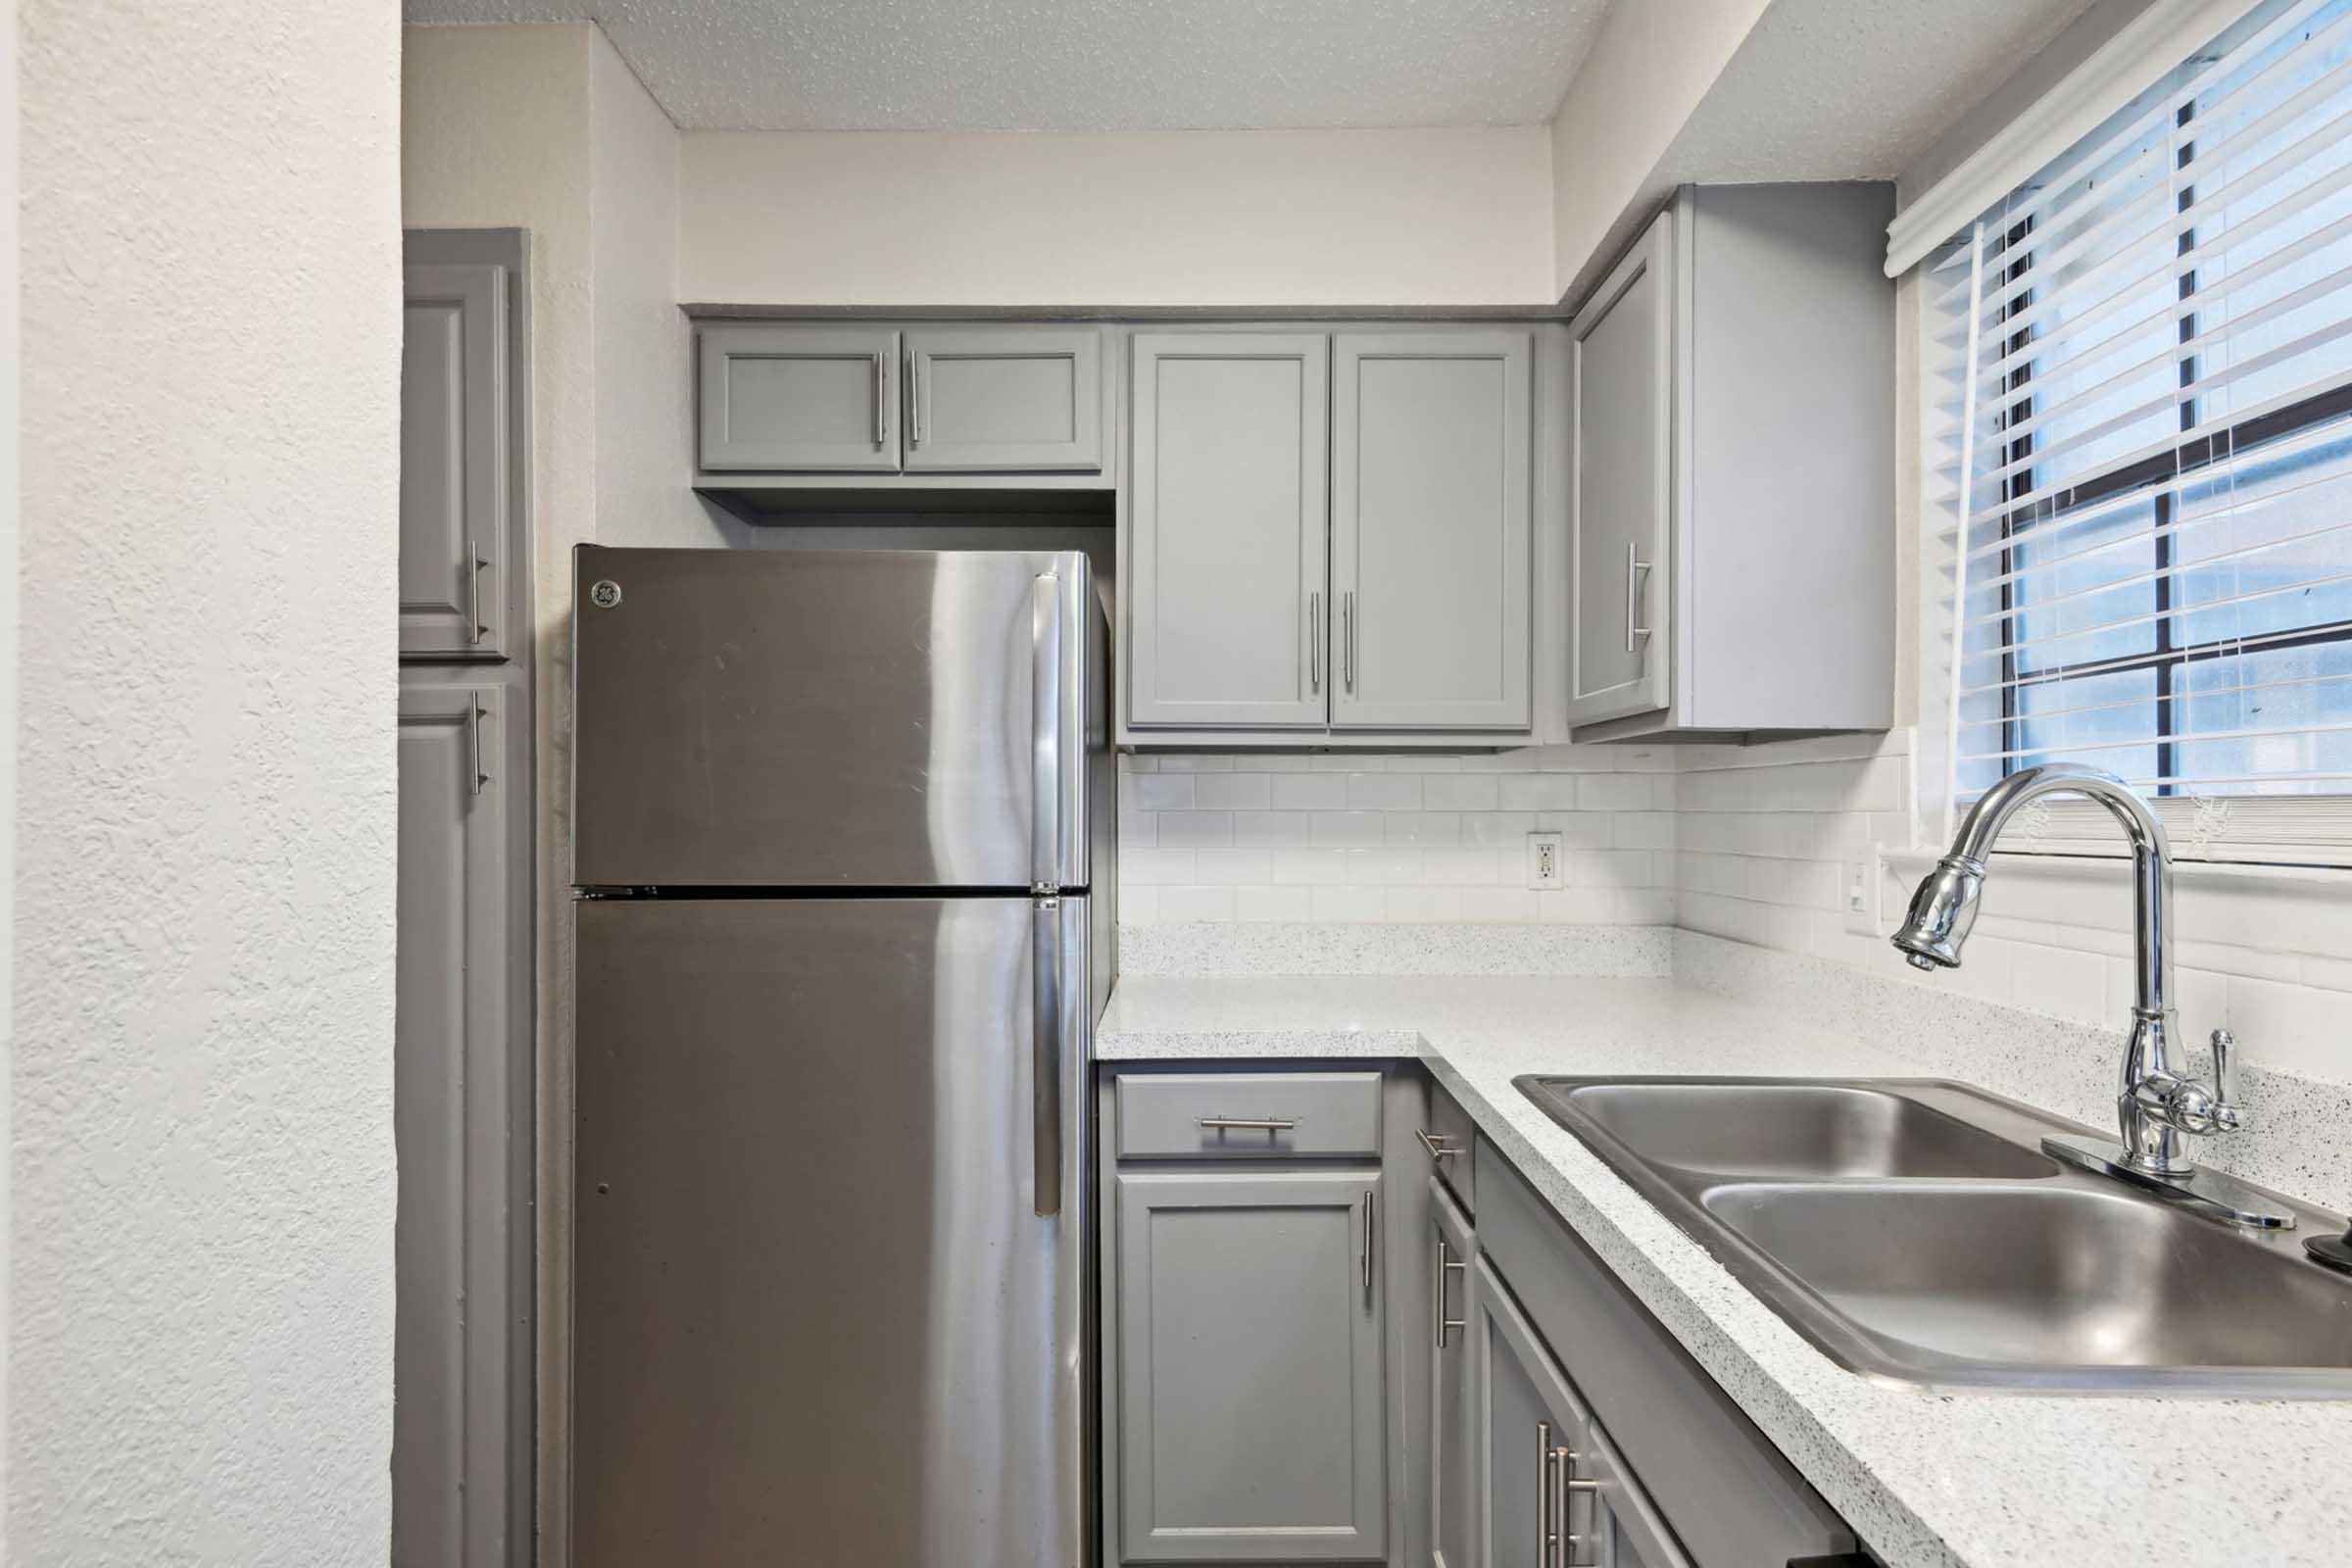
(1044, 718)
(1044, 1067)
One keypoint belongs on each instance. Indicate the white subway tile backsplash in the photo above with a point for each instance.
(1232, 791)
(1192, 829)
(1308, 792)
(1746, 843)
(1350, 829)
(1384, 792)
(1278, 828)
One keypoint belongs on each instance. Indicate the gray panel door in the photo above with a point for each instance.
(1226, 596)
(1453, 1406)
(1545, 1467)
(828, 719)
(795, 399)
(816, 1317)
(1004, 399)
(1621, 491)
(457, 484)
(1429, 529)
(1251, 1387)
(456, 1456)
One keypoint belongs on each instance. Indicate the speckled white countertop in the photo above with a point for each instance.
(1987, 1480)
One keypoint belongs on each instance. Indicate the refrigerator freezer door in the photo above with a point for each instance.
(833, 718)
(818, 1318)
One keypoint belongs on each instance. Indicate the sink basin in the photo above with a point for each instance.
(1799, 1130)
(1914, 1231)
(2034, 1276)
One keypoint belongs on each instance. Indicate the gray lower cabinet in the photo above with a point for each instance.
(1453, 1413)
(1431, 561)
(1250, 1399)
(1551, 1495)
(462, 1437)
(1004, 399)
(798, 399)
(1731, 478)
(460, 404)
(1225, 600)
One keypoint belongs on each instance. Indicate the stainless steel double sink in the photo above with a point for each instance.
(1914, 1231)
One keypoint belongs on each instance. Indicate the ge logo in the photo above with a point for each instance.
(605, 595)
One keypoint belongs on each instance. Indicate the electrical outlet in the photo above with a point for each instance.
(1543, 862)
(1858, 896)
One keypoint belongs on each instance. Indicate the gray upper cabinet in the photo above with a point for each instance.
(1004, 399)
(460, 1439)
(1453, 1414)
(1250, 1399)
(1621, 377)
(1732, 506)
(1431, 566)
(459, 490)
(800, 399)
(1225, 578)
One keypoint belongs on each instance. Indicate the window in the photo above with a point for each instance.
(2145, 366)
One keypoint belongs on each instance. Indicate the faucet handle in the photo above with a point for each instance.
(2224, 1068)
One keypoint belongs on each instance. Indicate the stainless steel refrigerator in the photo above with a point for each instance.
(842, 835)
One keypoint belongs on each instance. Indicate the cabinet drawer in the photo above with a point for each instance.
(1247, 1115)
(1449, 1140)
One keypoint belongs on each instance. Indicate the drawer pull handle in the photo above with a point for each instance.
(1440, 1147)
(1246, 1124)
(1437, 1288)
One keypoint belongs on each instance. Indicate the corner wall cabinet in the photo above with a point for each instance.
(1331, 535)
(864, 398)
(1732, 493)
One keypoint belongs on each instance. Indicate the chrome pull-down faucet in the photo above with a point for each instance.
(2158, 1105)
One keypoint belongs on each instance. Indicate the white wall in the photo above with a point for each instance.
(1331, 218)
(1649, 68)
(202, 1167)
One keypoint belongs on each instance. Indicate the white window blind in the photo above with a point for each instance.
(2144, 370)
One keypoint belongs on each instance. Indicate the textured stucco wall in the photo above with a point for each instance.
(201, 1240)
(1173, 218)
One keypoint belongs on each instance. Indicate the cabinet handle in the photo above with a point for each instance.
(1438, 1292)
(1635, 570)
(881, 390)
(473, 732)
(473, 589)
(1547, 1544)
(1368, 1243)
(1565, 1480)
(1247, 1124)
(914, 402)
(1348, 639)
(1436, 1149)
(1314, 642)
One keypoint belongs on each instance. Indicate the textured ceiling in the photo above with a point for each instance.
(1081, 65)
(1832, 90)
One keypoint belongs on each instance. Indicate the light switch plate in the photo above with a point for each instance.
(1858, 894)
(1545, 872)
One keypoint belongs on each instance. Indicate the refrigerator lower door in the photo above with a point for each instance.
(817, 1317)
(843, 718)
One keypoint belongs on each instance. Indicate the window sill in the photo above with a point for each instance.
(2051, 863)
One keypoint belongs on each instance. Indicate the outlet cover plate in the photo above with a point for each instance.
(1858, 885)
(1545, 871)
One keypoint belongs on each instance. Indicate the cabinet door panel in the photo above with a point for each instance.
(1011, 399)
(455, 482)
(1454, 1407)
(452, 1492)
(1429, 543)
(1621, 500)
(789, 399)
(1227, 523)
(1251, 1386)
